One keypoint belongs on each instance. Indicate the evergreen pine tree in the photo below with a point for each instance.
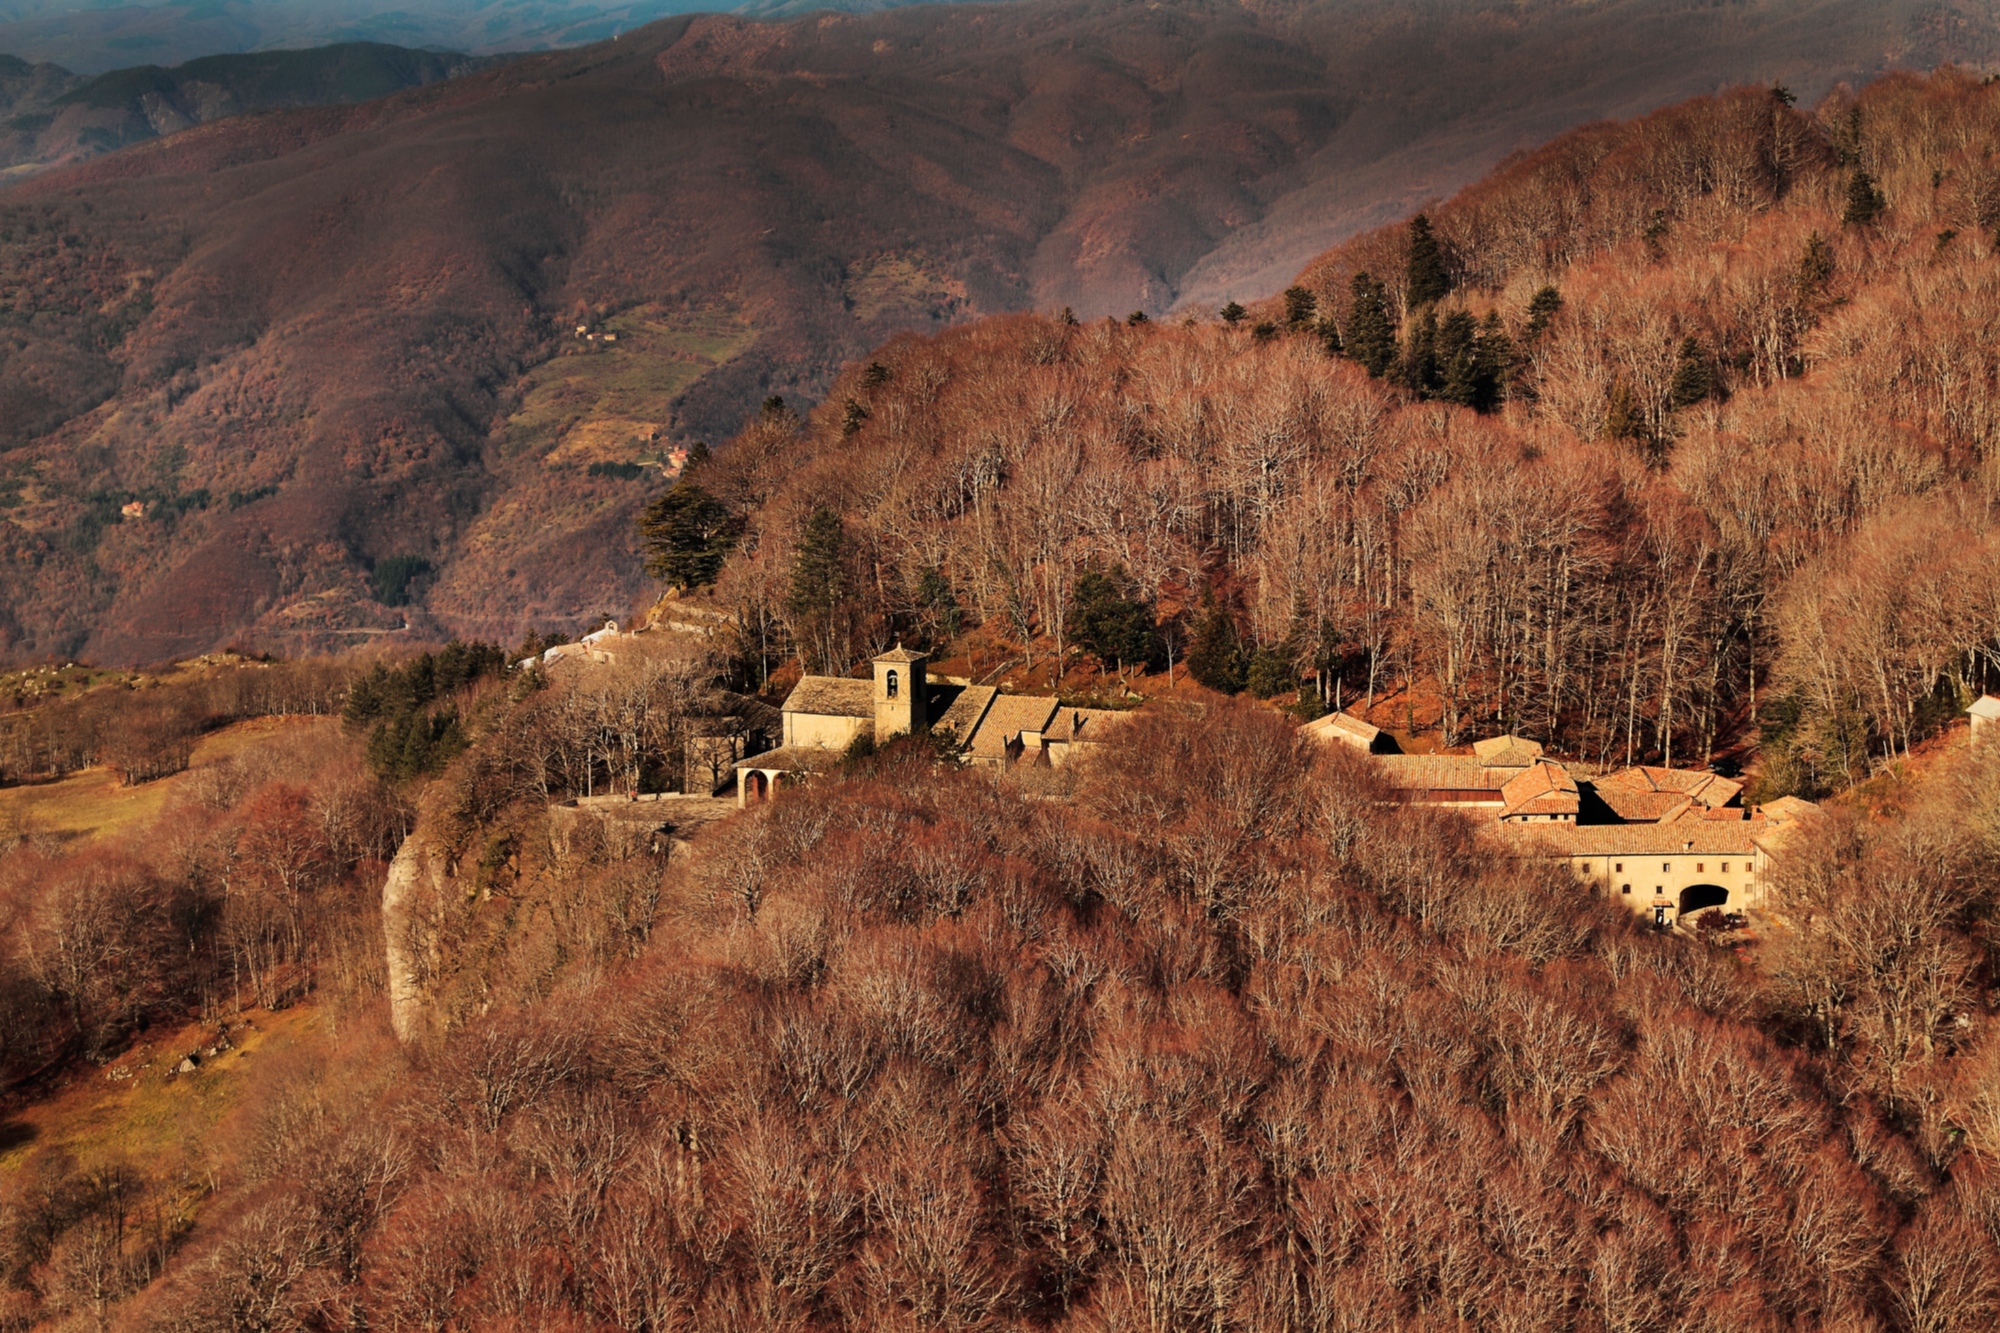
(1273, 668)
(1426, 281)
(1215, 658)
(1110, 622)
(1493, 363)
(1458, 359)
(1233, 313)
(1371, 339)
(1864, 201)
(367, 697)
(1300, 307)
(1543, 307)
(852, 418)
(1420, 358)
(688, 534)
(819, 587)
(938, 603)
(1693, 380)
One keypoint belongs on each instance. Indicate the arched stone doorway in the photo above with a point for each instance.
(1700, 897)
(756, 787)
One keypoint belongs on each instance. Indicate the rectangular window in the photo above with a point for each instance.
(1625, 888)
(1725, 867)
(1620, 867)
(1700, 867)
(1666, 867)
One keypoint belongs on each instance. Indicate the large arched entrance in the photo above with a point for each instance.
(756, 786)
(1701, 897)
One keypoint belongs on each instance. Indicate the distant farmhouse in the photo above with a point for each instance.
(825, 715)
(1668, 842)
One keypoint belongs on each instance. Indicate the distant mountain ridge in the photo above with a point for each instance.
(94, 40)
(306, 342)
(50, 116)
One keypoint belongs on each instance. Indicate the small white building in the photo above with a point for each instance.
(1984, 712)
(1346, 729)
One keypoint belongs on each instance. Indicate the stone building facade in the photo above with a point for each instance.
(1666, 842)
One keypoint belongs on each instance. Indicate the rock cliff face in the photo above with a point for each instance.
(419, 879)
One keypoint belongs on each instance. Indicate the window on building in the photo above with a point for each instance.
(1700, 868)
(1666, 867)
(1725, 867)
(891, 684)
(1620, 867)
(1625, 888)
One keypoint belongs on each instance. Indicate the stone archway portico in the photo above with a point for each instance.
(759, 777)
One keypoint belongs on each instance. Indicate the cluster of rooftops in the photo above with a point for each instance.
(825, 715)
(1673, 840)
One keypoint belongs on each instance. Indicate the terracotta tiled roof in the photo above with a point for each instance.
(1443, 772)
(1006, 718)
(1543, 788)
(832, 696)
(1707, 788)
(1687, 837)
(1641, 807)
(900, 654)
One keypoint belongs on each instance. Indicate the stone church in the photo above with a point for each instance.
(984, 726)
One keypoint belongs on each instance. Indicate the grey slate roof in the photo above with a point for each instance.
(962, 718)
(1007, 717)
(791, 759)
(832, 696)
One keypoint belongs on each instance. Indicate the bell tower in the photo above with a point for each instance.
(900, 694)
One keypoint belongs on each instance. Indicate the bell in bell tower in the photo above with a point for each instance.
(900, 694)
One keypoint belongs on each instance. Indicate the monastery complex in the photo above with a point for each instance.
(1668, 842)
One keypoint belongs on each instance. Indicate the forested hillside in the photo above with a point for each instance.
(320, 343)
(1672, 432)
(1668, 431)
(1213, 1038)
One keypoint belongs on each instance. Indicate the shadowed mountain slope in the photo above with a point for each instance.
(53, 116)
(95, 39)
(308, 343)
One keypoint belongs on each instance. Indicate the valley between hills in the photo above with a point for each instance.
(319, 347)
(696, 973)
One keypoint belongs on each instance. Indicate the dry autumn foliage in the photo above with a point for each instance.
(1747, 464)
(1220, 1040)
(1204, 1033)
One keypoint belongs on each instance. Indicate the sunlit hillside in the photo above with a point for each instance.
(303, 342)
